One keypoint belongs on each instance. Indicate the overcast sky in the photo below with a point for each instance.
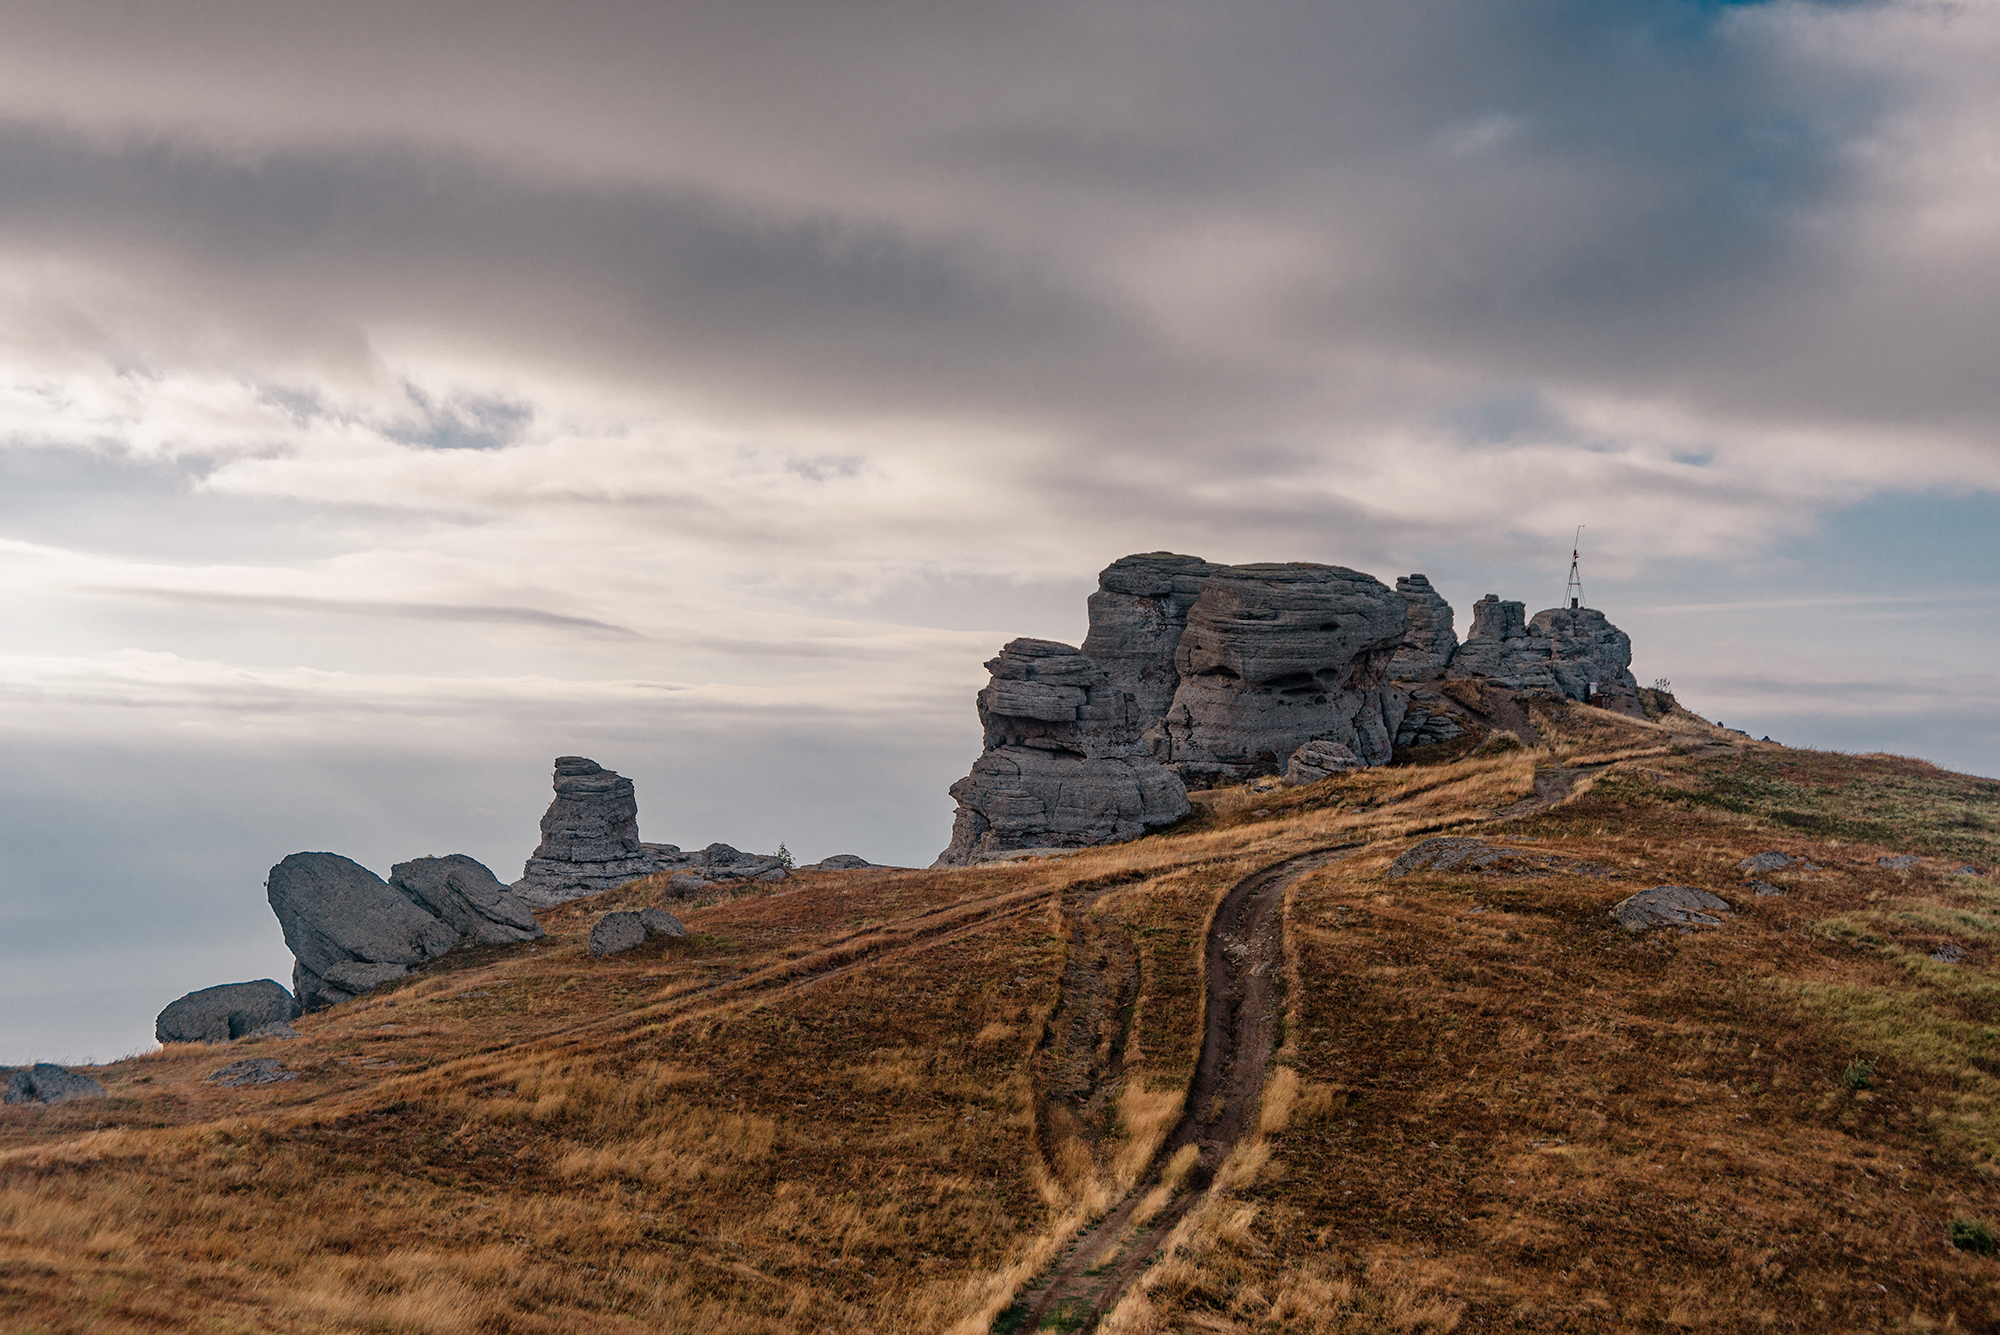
(394, 397)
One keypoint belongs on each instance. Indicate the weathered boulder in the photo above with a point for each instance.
(720, 862)
(687, 883)
(616, 932)
(840, 862)
(45, 1082)
(1137, 616)
(1428, 637)
(1317, 759)
(590, 837)
(1670, 906)
(1898, 862)
(461, 892)
(1427, 720)
(231, 1010)
(659, 922)
(1275, 656)
(1762, 862)
(1063, 765)
(346, 927)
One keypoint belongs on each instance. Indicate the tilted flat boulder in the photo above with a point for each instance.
(1318, 759)
(616, 932)
(462, 892)
(337, 914)
(659, 922)
(1670, 906)
(45, 1082)
(1275, 656)
(1137, 617)
(231, 1010)
(841, 862)
(590, 838)
(1063, 765)
(1428, 638)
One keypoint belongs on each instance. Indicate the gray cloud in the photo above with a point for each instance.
(367, 607)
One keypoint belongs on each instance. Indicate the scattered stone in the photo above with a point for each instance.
(841, 862)
(45, 1082)
(1063, 764)
(1967, 870)
(615, 932)
(773, 876)
(720, 862)
(1670, 906)
(230, 1010)
(275, 1029)
(1447, 853)
(461, 891)
(1428, 638)
(1948, 954)
(336, 914)
(1900, 862)
(659, 922)
(687, 883)
(254, 1071)
(1319, 758)
(1762, 862)
(1765, 890)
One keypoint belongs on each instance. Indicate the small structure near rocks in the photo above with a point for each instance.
(1681, 906)
(1319, 758)
(255, 1071)
(465, 894)
(616, 932)
(231, 1010)
(45, 1082)
(347, 928)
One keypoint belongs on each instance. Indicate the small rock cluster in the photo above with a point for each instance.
(616, 932)
(1681, 906)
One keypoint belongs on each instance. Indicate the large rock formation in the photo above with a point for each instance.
(1565, 651)
(1137, 616)
(1063, 765)
(1428, 637)
(218, 1014)
(590, 837)
(465, 894)
(1275, 656)
(348, 930)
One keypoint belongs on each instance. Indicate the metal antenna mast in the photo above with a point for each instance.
(1573, 595)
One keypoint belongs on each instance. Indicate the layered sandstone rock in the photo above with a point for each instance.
(1275, 656)
(1569, 651)
(590, 837)
(1063, 766)
(464, 893)
(1428, 637)
(1137, 616)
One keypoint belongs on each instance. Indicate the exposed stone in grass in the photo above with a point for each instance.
(1670, 906)
(276, 1029)
(253, 1071)
(1458, 853)
(45, 1082)
(1317, 759)
(229, 1010)
(616, 932)
(1898, 862)
(1766, 890)
(659, 922)
(840, 862)
(1762, 862)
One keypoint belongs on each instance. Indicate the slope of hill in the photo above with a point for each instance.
(1281, 1068)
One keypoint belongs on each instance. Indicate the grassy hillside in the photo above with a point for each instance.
(960, 1101)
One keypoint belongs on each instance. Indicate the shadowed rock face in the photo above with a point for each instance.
(1063, 765)
(1428, 638)
(1275, 656)
(346, 926)
(590, 837)
(218, 1014)
(1136, 619)
(45, 1082)
(464, 893)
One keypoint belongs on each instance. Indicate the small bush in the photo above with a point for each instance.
(784, 856)
(1972, 1235)
(1859, 1074)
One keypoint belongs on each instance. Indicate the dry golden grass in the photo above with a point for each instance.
(831, 1106)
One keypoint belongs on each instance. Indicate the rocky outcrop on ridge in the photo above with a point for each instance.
(1565, 651)
(347, 928)
(45, 1082)
(1428, 637)
(219, 1014)
(1275, 656)
(468, 897)
(1063, 765)
(590, 837)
